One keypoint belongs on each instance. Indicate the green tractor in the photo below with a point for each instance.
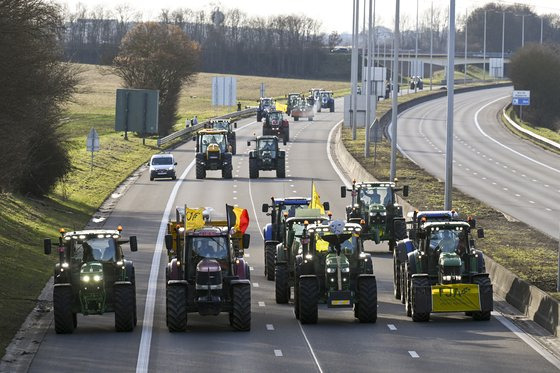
(267, 157)
(213, 152)
(331, 267)
(284, 264)
(291, 101)
(446, 273)
(374, 205)
(92, 277)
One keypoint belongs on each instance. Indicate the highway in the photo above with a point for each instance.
(276, 342)
(490, 163)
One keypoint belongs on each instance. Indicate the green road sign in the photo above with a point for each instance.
(136, 110)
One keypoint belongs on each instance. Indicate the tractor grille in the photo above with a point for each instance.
(208, 278)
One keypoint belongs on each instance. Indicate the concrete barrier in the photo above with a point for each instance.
(534, 303)
(543, 141)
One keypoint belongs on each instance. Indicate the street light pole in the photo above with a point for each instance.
(369, 78)
(396, 36)
(466, 40)
(522, 30)
(542, 18)
(450, 93)
(431, 43)
(354, 69)
(484, 51)
(503, 34)
(416, 50)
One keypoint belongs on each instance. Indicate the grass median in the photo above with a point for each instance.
(26, 221)
(526, 252)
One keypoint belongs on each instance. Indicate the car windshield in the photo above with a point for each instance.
(210, 247)
(162, 160)
(221, 125)
(291, 209)
(371, 195)
(95, 249)
(218, 139)
(447, 240)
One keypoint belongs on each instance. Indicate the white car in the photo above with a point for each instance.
(162, 165)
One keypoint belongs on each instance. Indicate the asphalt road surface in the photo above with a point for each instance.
(490, 163)
(276, 342)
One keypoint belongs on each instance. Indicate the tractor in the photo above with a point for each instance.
(331, 267)
(374, 205)
(291, 101)
(92, 277)
(327, 101)
(275, 124)
(226, 125)
(266, 104)
(284, 265)
(273, 232)
(267, 156)
(407, 245)
(213, 152)
(446, 273)
(315, 94)
(206, 273)
(303, 109)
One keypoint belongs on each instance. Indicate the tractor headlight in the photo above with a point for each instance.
(383, 213)
(97, 278)
(64, 265)
(371, 214)
(345, 270)
(330, 270)
(447, 278)
(308, 256)
(85, 278)
(362, 255)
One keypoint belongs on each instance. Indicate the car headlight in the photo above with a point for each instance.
(170, 169)
(345, 269)
(85, 278)
(330, 270)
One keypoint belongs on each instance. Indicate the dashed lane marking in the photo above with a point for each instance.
(255, 284)
(261, 304)
(278, 353)
(391, 327)
(269, 327)
(413, 354)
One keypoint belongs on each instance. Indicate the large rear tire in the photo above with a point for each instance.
(418, 282)
(241, 313)
(482, 315)
(367, 300)
(282, 288)
(253, 168)
(308, 300)
(281, 168)
(286, 134)
(408, 302)
(124, 308)
(176, 308)
(269, 257)
(331, 107)
(296, 298)
(63, 316)
(396, 276)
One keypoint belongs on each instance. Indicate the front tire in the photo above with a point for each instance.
(367, 300)
(482, 315)
(418, 282)
(63, 316)
(286, 134)
(176, 308)
(253, 168)
(281, 168)
(396, 276)
(124, 308)
(269, 257)
(308, 299)
(200, 171)
(282, 288)
(241, 314)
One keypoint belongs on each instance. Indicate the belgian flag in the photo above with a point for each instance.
(238, 218)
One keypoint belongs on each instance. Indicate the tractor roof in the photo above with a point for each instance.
(212, 231)
(212, 132)
(374, 184)
(445, 224)
(441, 215)
(220, 120)
(267, 137)
(324, 227)
(91, 233)
(292, 201)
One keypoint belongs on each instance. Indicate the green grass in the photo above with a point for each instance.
(544, 132)
(515, 245)
(473, 72)
(26, 221)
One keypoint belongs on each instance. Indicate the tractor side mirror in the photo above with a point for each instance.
(405, 191)
(480, 233)
(133, 244)
(246, 240)
(235, 125)
(169, 242)
(265, 207)
(343, 191)
(326, 206)
(248, 143)
(47, 244)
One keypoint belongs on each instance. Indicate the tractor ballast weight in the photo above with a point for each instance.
(92, 277)
(267, 156)
(213, 152)
(206, 273)
(374, 205)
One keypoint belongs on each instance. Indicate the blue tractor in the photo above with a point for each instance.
(326, 101)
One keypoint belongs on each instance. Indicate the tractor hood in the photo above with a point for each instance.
(377, 208)
(332, 262)
(449, 260)
(213, 148)
(208, 265)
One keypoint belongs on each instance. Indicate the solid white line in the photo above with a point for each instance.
(278, 353)
(505, 146)
(269, 327)
(310, 348)
(255, 284)
(525, 337)
(413, 354)
(391, 327)
(147, 323)
(331, 160)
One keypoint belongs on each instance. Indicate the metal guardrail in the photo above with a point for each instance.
(185, 132)
(539, 138)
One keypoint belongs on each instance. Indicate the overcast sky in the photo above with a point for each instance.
(335, 15)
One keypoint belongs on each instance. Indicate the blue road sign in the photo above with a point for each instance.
(521, 101)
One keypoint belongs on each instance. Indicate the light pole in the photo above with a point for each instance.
(431, 43)
(364, 47)
(450, 88)
(396, 36)
(466, 40)
(542, 18)
(484, 51)
(503, 34)
(369, 80)
(416, 50)
(354, 69)
(522, 30)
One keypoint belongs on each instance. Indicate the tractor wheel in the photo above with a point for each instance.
(176, 308)
(63, 316)
(403, 283)
(227, 172)
(234, 147)
(269, 257)
(281, 168)
(319, 109)
(286, 134)
(253, 169)
(296, 119)
(310, 119)
(131, 276)
(331, 107)
(392, 245)
(406, 289)
(482, 315)
(308, 300)
(259, 117)
(200, 171)
(296, 298)
(151, 178)
(124, 308)
(367, 300)
(241, 314)
(396, 276)
(281, 286)
(418, 282)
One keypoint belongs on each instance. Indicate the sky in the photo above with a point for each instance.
(335, 15)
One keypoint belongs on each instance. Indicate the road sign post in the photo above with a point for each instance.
(521, 98)
(92, 143)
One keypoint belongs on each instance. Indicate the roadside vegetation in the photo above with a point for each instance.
(541, 131)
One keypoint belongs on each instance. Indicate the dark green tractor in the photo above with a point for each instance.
(292, 100)
(446, 273)
(331, 267)
(375, 207)
(267, 156)
(92, 277)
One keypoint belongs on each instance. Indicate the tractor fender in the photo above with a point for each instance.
(240, 282)
(267, 232)
(281, 256)
(366, 265)
(61, 276)
(66, 284)
(240, 269)
(404, 247)
(173, 270)
(252, 154)
(122, 283)
(481, 265)
(365, 275)
(129, 267)
(412, 263)
(177, 283)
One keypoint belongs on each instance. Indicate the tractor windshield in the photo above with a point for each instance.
(376, 195)
(210, 247)
(95, 249)
(347, 247)
(266, 102)
(448, 240)
(221, 125)
(291, 209)
(268, 147)
(217, 139)
(275, 117)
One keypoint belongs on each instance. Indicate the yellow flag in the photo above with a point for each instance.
(321, 245)
(315, 200)
(194, 218)
(281, 107)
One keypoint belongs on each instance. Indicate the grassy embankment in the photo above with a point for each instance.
(542, 131)
(25, 269)
(515, 245)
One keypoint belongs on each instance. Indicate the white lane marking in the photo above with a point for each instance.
(269, 327)
(506, 189)
(143, 360)
(329, 156)
(255, 284)
(505, 146)
(278, 353)
(532, 202)
(413, 354)
(235, 191)
(234, 197)
(251, 268)
(261, 304)
(247, 255)
(547, 209)
(517, 195)
(527, 339)
(309, 346)
(391, 327)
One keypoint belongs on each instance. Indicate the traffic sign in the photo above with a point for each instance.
(521, 98)
(92, 141)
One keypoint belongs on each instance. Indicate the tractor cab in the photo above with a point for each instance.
(326, 100)
(266, 104)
